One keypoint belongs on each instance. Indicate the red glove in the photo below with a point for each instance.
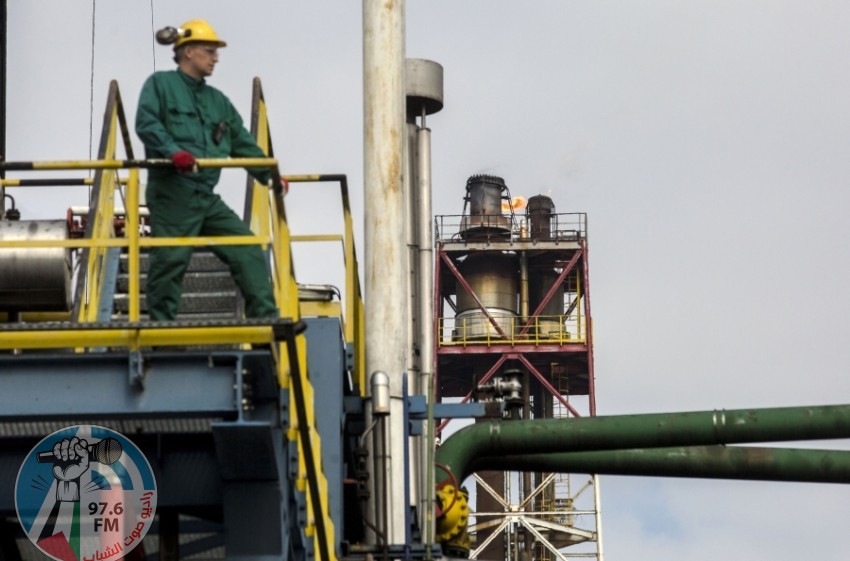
(283, 183)
(183, 161)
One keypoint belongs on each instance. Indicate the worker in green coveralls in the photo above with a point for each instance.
(182, 118)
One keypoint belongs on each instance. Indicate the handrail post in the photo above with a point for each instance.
(131, 231)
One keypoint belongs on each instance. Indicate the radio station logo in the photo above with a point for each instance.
(85, 493)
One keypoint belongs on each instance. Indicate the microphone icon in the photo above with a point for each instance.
(106, 451)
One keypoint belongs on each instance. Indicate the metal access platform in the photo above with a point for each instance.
(222, 406)
(547, 260)
(209, 422)
(216, 426)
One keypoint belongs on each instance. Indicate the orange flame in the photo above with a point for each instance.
(518, 203)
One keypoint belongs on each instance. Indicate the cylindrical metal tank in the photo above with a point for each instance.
(35, 279)
(485, 218)
(550, 322)
(423, 85)
(494, 279)
(539, 212)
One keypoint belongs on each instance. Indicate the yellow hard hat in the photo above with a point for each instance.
(196, 30)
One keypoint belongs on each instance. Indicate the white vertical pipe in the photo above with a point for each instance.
(597, 499)
(414, 359)
(385, 258)
(411, 219)
(426, 314)
(426, 253)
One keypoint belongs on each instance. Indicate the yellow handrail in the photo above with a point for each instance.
(135, 335)
(353, 320)
(142, 242)
(266, 215)
(319, 523)
(100, 235)
(133, 231)
(110, 163)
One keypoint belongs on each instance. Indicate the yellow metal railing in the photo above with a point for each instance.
(354, 315)
(561, 227)
(101, 236)
(544, 330)
(266, 215)
(259, 206)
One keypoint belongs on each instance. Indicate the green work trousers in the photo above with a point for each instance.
(179, 211)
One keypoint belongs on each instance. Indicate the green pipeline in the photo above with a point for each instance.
(511, 441)
(704, 462)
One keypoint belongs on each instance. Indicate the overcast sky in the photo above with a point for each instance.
(708, 142)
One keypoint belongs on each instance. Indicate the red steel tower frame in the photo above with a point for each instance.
(553, 351)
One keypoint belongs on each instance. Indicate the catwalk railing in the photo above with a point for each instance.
(84, 329)
(510, 228)
(544, 330)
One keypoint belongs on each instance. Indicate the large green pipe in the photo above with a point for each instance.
(544, 436)
(707, 462)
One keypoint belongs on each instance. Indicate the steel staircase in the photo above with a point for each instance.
(231, 429)
(209, 292)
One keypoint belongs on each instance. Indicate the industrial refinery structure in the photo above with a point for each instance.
(351, 426)
(513, 323)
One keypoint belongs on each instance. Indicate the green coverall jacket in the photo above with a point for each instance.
(177, 112)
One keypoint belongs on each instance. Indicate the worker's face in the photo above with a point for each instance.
(201, 58)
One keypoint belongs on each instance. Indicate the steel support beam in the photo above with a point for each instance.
(92, 385)
(567, 270)
(548, 385)
(465, 284)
